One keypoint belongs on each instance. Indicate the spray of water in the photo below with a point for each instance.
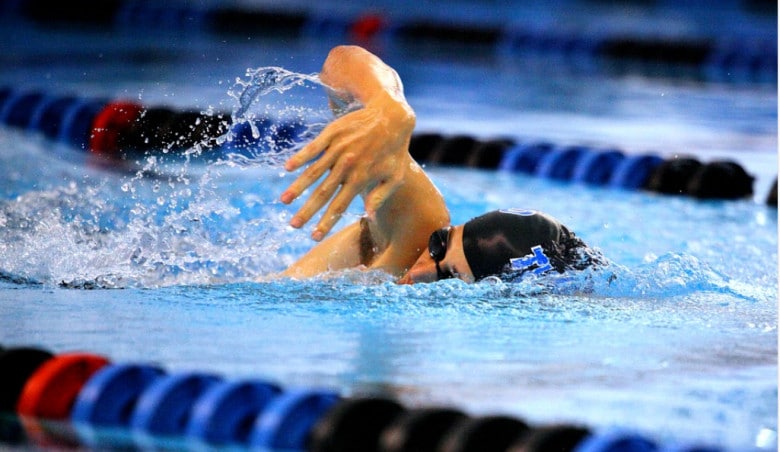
(269, 122)
(263, 81)
(191, 220)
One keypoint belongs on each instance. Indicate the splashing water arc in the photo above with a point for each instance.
(171, 221)
(262, 81)
(264, 113)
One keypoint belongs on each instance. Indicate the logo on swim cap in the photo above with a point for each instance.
(521, 212)
(537, 258)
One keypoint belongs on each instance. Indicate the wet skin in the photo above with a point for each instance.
(454, 262)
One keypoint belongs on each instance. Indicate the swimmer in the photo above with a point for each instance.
(406, 229)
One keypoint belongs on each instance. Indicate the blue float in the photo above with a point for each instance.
(634, 171)
(19, 107)
(519, 41)
(34, 114)
(559, 163)
(286, 422)
(47, 118)
(5, 93)
(8, 97)
(108, 397)
(224, 414)
(164, 407)
(596, 168)
(76, 127)
(524, 158)
(616, 441)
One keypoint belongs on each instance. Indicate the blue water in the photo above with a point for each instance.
(676, 339)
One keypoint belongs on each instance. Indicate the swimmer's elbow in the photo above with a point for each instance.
(342, 50)
(341, 59)
(361, 74)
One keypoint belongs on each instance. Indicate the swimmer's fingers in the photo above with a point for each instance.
(316, 201)
(324, 192)
(332, 133)
(335, 210)
(308, 177)
(309, 152)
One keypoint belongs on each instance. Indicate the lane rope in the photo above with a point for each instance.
(123, 130)
(86, 400)
(742, 57)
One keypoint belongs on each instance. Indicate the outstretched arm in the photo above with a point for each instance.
(362, 149)
(366, 152)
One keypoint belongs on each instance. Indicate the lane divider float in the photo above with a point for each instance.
(86, 400)
(125, 130)
(51, 389)
(593, 166)
(741, 58)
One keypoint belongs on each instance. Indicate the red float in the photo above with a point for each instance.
(367, 26)
(115, 119)
(51, 390)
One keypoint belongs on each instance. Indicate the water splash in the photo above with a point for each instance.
(175, 220)
(140, 232)
(263, 81)
(269, 122)
(666, 276)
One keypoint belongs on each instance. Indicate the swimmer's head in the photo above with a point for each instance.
(508, 241)
(502, 243)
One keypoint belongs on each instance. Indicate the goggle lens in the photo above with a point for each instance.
(437, 248)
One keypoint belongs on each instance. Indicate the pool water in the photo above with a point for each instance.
(677, 338)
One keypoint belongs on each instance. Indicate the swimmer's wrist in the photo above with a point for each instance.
(398, 111)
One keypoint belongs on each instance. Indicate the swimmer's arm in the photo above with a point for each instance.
(407, 219)
(400, 230)
(362, 151)
(353, 73)
(339, 251)
(366, 151)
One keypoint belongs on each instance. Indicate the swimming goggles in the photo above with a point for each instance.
(437, 248)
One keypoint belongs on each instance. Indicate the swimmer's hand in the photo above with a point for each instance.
(363, 152)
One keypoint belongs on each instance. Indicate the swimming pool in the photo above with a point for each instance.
(681, 346)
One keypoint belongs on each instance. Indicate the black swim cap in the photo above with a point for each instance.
(514, 241)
